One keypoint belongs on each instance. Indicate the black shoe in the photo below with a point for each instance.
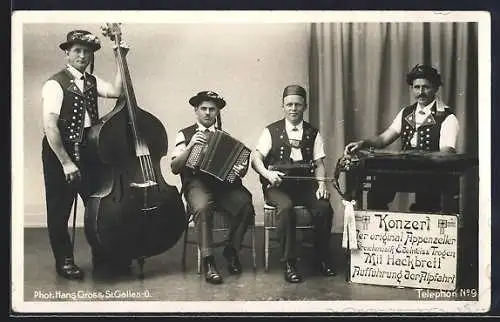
(233, 262)
(212, 276)
(291, 273)
(326, 269)
(68, 269)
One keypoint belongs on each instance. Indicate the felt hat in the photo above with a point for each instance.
(82, 37)
(207, 96)
(424, 71)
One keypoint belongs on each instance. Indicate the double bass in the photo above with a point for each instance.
(133, 213)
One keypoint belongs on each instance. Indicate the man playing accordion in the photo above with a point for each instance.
(204, 193)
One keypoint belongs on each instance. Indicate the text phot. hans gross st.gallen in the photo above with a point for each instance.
(403, 249)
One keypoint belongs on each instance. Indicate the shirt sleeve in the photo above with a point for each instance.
(449, 132)
(52, 98)
(396, 123)
(103, 87)
(264, 143)
(180, 145)
(319, 149)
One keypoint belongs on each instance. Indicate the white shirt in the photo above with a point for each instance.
(180, 140)
(52, 93)
(449, 128)
(265, 142)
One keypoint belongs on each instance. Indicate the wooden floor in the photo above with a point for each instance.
(165, 280)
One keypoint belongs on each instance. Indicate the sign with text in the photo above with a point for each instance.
(405, 249)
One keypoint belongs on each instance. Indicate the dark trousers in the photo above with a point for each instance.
(205, 196)
(381, 194)
(284, 198)
(59, 197)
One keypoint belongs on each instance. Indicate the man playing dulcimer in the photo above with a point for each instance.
(428, 125)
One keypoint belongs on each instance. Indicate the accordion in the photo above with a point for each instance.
(219, 156)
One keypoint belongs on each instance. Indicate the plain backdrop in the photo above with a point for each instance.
(247, 64)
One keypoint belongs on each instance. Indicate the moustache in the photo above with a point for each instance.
(422, 96)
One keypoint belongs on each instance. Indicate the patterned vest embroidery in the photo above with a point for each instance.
(427, 134)
(281, 147)
(74, 105)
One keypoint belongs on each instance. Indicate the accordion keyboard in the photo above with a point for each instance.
(194, 158)
(241, 161)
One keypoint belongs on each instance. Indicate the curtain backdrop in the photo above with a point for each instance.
(357, 86)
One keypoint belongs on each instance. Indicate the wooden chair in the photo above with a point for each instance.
(270, 223)
(220, 224)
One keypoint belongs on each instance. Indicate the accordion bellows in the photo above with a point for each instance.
(219, 156)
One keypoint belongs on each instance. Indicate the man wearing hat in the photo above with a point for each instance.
(427, 125)
(204, 194)
(291, 140)
(69, 109)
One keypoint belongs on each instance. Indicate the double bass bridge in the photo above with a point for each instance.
(148, 210)
(146, 184)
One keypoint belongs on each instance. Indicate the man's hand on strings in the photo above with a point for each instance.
(353, 147)
(274, 177)
(106, 30)
(124, 47)
(322, 192)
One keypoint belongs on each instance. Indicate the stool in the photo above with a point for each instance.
(270, 223)
(219, 224)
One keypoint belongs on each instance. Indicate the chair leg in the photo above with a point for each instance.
(254, 255)
(199, 260)
(266, 249)
(184, 250)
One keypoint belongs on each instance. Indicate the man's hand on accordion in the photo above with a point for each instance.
(240, 170)
(198, 138)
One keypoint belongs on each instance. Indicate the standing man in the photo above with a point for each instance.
(69, 109)
(204, 194)
(292, 140)
(427, 125)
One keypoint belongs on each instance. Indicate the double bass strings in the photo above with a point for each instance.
(146, 163)
(142, 150)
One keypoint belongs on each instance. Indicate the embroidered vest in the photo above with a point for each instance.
(75, 102)
(428, 133)
(281, 148)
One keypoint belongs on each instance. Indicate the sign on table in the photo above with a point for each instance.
(405, 249)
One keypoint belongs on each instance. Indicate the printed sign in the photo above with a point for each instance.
(405, 249)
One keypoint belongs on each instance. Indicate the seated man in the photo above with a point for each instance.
(204, 194)
(427, 125)
(292, 140)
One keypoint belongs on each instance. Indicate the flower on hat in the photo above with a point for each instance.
(91, 38)
(82, 37)
(207, 95)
